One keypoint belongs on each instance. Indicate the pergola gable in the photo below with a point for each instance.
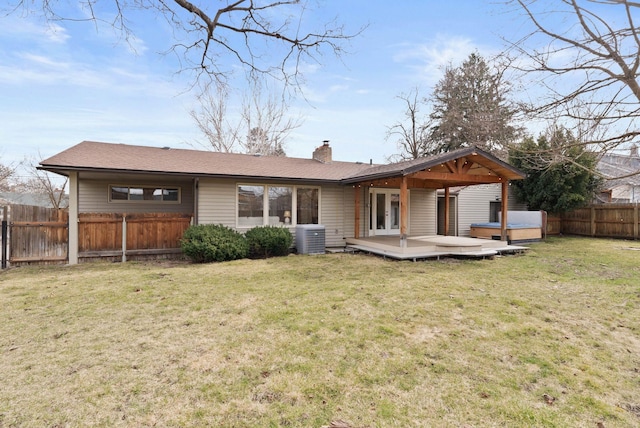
(458, 168)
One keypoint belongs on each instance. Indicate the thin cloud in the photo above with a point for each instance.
(28, 68)
(427, 60)
(339, 88)
(136, 45)
(26, 29)
(56, 33)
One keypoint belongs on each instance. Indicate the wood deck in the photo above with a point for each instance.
(435, 246)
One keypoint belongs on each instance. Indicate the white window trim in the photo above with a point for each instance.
(265, 203)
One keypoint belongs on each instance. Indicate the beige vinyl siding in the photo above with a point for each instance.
(94, 195)
(217, 202)
(474, 202)
(337, 214)
(422, 212)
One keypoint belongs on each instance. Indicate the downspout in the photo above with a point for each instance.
(196, 186)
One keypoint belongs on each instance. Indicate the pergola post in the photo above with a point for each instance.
(505, 206)
(404, 212)
(446, 211)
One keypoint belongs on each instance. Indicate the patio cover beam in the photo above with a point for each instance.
(456, 177)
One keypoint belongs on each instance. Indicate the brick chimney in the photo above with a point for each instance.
(323, 153)
(634, 151)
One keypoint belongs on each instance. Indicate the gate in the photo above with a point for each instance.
(37, 235)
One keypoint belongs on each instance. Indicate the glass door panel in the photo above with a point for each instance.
(384, 212)
(381, 214)
(394, 210)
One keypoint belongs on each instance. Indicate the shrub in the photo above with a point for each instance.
(213, 243)
(268, 241)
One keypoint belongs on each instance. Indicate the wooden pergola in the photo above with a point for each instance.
(463, 167)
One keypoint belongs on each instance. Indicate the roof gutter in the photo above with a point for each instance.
(64, 170)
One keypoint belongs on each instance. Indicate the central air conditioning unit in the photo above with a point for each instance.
(310, 239)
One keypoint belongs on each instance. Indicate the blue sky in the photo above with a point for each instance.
(70, 81)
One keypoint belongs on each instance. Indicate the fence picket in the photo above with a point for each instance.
(40, 235)
(602, 221)
(37, 235)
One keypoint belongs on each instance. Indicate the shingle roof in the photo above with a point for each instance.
(107, 157)
(95, 156)
(480, 157)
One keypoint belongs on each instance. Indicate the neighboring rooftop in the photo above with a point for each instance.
(620, 168)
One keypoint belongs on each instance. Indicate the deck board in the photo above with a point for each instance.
(426, 247)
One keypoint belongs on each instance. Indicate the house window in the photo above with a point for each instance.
(286, 205)
(250, 206)
(144, 193)
(280, 200)
(495, 207)
(307, 205)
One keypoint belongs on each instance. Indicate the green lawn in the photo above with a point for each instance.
(550, 338)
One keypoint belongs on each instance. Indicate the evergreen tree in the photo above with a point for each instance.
(470, 108)
(552, 185)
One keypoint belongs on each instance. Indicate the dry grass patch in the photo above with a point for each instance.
(549, 338)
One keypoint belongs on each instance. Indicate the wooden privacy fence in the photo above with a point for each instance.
(123, 236)
(554, 225)
(37, 235)
(603, 221)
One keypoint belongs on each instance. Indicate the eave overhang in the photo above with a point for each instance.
(65, 170)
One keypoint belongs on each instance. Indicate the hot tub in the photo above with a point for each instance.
(516, 232)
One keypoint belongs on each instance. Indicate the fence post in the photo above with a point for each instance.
(635, 221)
(593, 221)
(4, 237)
(124, 238)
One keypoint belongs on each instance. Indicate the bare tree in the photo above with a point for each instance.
(263, 36)
(261, 125)
(268, 121)
(6, 172)
(412, 134)
(588, 69)
(27, 178)
(222, 133)
(43, 182)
